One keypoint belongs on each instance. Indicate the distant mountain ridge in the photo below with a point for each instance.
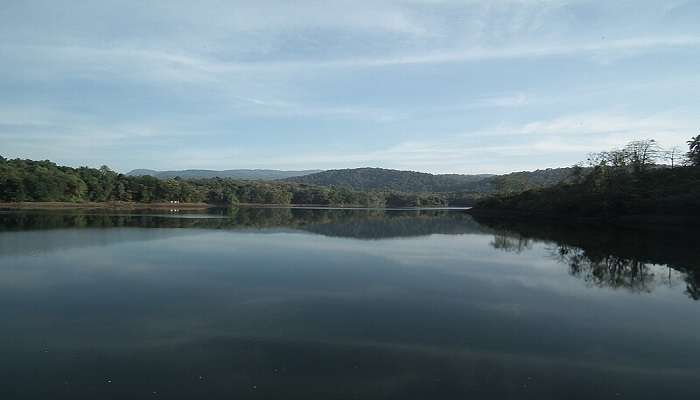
(246, 174)
(411, 181)
(382, 179)
(389, 179)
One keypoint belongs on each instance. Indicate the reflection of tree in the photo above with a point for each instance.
(361, 224)
(515, 244)
(608, 257)
(607, 270)
(692, 288)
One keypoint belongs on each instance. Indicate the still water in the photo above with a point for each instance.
(342, 304)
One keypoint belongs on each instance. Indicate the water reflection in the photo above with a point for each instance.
(609, 271)
(511, 243)
(634, 260)
(602, 257)
(361, 224)
(319, 304)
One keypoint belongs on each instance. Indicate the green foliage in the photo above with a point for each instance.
(615, 192)
(517, 182)
(44, 181)
(638, 156)
(388, 179)
(470, 187)
(621, 183)
(26, 180)
(694, 152)
(415, 200)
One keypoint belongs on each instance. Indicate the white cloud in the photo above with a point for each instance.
(123, 62)
(167, 74)
(270, 108)
(566, 139)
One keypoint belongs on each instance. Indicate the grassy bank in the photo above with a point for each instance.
(120, 205)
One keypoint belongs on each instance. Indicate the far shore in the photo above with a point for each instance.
(112, 205)
(123, 205)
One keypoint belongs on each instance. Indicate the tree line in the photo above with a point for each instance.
(468, 187)
(44, 181)
(642, 178)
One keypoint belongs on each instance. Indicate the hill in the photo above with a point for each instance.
(245, 174)
(626, 185)
(410, 181)
(388, 179)
(605, 195)
(44, 181)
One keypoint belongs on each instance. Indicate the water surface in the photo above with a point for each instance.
(342, 304)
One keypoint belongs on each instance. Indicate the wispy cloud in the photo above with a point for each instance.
(265, 107)
(564, 140)
(477, 86)
(160, 65)
(531, 51)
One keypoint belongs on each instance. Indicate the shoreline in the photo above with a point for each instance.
(112, 205)
(193, 206)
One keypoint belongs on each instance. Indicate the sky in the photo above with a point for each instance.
(439, 86)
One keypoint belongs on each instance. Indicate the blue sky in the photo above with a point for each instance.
(436, 85)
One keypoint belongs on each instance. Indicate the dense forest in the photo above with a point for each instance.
(626, 181)
(388, 179)
(622, 182)
(44, 181)
(468, 186)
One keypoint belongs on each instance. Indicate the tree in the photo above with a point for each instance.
(104, 170)
(694, 153)
(577, 173)
(673, 155)
(12, 187)
(638, 155)
(642, 154)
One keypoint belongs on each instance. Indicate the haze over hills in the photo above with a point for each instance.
(247, 174)
(410, 181)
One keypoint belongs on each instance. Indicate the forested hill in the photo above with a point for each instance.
(629, 184)
(44, 181)
(388, 179)
(409, 181)
(248, 174)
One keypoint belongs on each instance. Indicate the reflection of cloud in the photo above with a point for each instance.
(33, 243)
(443, 296)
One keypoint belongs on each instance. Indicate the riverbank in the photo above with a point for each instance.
(192, 206)
(113, 205)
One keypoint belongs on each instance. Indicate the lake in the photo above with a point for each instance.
(262, 303)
